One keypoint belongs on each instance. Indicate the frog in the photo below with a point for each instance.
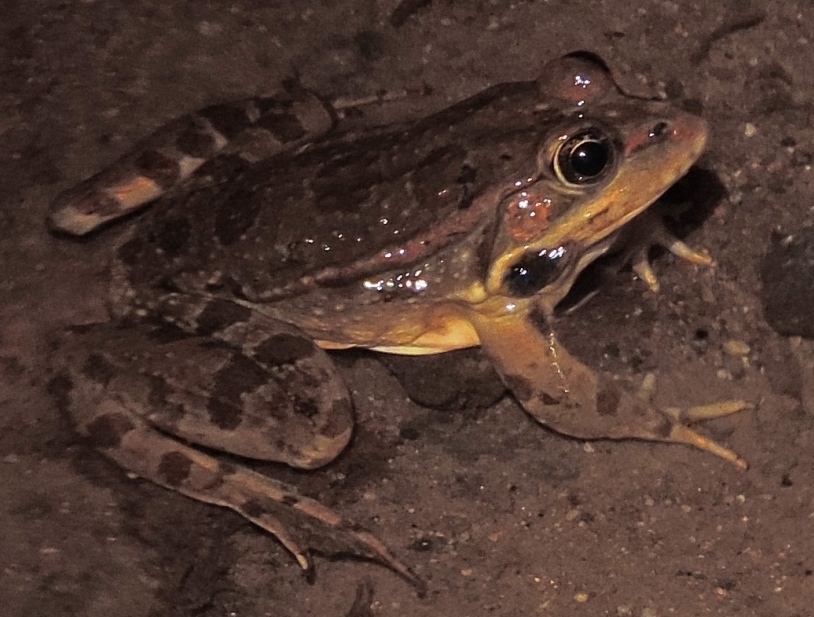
(261, 234)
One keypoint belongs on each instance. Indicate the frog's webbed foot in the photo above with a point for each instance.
(681, 417)
(649, 230)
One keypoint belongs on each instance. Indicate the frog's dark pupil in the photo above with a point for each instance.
(589, 159)
(585, 157)
(533, 272)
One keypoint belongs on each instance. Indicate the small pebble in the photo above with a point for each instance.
(737, 348)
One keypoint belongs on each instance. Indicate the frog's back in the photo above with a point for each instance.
(342, 207)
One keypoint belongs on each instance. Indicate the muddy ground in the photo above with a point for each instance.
(499, 516)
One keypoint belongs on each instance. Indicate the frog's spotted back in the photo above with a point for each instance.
(252, 129)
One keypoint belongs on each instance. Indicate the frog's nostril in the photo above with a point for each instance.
(659, 129)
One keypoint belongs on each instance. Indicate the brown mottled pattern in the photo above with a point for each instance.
(240, 376)
(160, 168)
(107, 430)
(174, 468)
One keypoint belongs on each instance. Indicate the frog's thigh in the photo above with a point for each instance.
(283, 403)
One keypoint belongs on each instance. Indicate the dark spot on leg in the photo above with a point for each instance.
(520, 386)
(282, 349)
(107, 431)
(228, 120)
(607, 400)
(340, 418)
(290, 500)
(219, 315)
(227, 468)
(99, 369)
(236, 215)
(130, 253)
(59, 388)
(663, 428)
(158, 398)
(285, 126)
(172, 234)
(306, 408)
(548, 400)
(255, 508)
(165, 334)
(174, 468)
(196, 141)
(161, 169)
(239, 377)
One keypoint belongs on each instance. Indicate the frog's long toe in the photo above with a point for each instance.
(300, 523)
(681, 433)
(651, 226)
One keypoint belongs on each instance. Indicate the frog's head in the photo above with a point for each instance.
(609, 158)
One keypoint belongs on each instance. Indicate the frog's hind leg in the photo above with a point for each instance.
(250, 129)
(298, 522)
(143, 394)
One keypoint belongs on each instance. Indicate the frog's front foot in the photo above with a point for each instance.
(681, 433)
(568, 397)
(646, 231)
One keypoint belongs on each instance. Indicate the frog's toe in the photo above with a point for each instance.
(650, 226)
(641, 266)
(680, 433)
(700, 413)
(680, 417)
(301, 523)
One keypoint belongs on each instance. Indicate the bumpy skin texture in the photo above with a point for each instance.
(273, 236)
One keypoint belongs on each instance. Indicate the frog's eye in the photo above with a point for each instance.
(584, 158)
(534, 271)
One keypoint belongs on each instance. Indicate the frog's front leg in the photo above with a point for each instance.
(142, 393)
(567, 396)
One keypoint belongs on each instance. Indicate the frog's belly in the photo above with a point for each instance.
(435, 332)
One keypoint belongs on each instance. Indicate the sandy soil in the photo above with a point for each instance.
(499, 516)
